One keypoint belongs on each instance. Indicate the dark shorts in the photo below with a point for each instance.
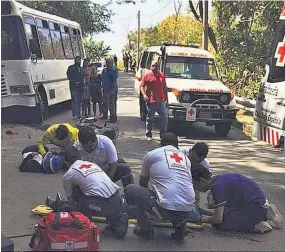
(96, 96)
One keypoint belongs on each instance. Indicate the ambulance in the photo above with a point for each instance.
(269, 118)
(195, 89)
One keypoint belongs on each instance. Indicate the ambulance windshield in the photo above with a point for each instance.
(190, 68)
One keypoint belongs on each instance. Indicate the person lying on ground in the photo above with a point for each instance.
(61, 135)
(170, 194)
(35, 162)
(100, 149)
(89, 190)
(239, 203)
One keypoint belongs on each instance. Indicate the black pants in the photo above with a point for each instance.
(124, 174)
(29, 165)
(145, 199)
(111, 208)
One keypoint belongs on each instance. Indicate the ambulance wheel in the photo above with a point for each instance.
(171, 127)
(142, 110)
(222, 129)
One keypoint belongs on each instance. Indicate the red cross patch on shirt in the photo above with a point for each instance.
(176, 160)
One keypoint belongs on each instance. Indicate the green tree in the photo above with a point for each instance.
(95, 50)
(244, 32)
(93, 17)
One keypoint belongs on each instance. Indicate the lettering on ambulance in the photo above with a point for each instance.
(268, 116)
(269, 90)
(206, 90)
(183, 54)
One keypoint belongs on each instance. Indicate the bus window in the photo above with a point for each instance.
(149, 60)
(45, 40)
(66, 42)
(56, 40)
(143, 60)
(80, 43)
(31, 32)
(74, 42)
(13, 42)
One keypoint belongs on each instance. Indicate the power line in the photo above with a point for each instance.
(158, 10)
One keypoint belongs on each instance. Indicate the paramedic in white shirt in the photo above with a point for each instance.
(165, 190)
(90, 191)
(101, 150)
(197, 154)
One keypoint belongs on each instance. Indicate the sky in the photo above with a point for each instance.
(125, 20)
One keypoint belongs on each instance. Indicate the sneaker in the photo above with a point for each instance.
(149, 138)
(180, 233)
(121, 227)
(274, 217)
(262, 227)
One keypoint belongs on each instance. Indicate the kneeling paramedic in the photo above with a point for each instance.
(171, 195)
(61, 135)
(239, 203)
(89, 190)
(100, 149)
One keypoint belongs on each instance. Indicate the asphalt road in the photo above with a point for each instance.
(236, 153)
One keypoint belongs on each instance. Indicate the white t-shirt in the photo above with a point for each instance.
(204, 162)
(90, 178)
(104, 154)
(170, 178)
(38, 157)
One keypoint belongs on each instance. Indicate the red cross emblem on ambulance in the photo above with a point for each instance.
(280, 54)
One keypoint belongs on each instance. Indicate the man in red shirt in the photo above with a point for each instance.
(154, 91)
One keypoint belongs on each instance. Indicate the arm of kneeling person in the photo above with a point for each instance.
(217, 218)
(144, 181)
(112, 168)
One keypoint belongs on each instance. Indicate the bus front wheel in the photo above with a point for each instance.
(43, 102)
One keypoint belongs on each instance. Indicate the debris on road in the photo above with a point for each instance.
(11, 132)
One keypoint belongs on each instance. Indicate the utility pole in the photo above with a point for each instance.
(205, 24)
(139, 37)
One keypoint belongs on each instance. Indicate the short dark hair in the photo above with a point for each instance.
(86, 134)
(71, 154)
(198, 172)
(169, 139)
(62, 130)
(201, 149)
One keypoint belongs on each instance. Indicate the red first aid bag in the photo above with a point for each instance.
(65, 231)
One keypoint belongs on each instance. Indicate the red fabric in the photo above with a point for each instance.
(154, 84)
(67, 238)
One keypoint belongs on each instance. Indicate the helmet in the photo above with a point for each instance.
(52, 162)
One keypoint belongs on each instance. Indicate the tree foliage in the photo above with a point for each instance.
(244, 32)
(93, 17)
(95, 50)
(181, 28)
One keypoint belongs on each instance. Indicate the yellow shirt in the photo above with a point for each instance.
(49, 137)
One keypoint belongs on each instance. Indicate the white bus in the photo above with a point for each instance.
(269, 115)
(36, 50)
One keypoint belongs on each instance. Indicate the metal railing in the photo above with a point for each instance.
(246, 104)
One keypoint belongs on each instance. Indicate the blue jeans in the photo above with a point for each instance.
(76, 99)
(160, 108)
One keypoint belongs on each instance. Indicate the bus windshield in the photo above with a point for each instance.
(190, 68)
(13, 40)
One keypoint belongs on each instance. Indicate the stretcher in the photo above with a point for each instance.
(44, 210)
(155, 223)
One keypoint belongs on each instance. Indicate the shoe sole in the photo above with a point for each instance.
(262, 227)
(275, 216)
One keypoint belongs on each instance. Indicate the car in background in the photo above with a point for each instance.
(100, 65)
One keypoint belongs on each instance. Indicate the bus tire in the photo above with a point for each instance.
(142, 109)
(222, 129)
(43, 103)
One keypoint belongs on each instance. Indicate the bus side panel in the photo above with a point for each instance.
(52, 75)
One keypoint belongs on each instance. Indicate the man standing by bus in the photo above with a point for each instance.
(154, 91)
(75, 76)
